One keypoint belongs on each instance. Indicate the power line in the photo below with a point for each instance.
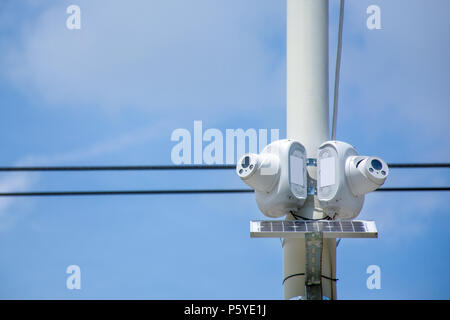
(161, 192)
(401, 189)
(338, 71)
(419, 165)
(120, 168)
(121, 192)
(181, 167)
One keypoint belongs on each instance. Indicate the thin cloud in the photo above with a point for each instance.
(197, 55)
(23, 181)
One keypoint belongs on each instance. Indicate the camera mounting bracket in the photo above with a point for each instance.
(314, 248)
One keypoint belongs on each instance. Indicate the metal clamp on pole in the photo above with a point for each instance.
(314, 248)
(312, 183)
(311, 162)
(311, 186)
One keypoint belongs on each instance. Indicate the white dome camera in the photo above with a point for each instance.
(260, 172)
(278, 176)
(343, 178)
(365, 174)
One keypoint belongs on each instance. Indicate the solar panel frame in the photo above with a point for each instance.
(298, 228)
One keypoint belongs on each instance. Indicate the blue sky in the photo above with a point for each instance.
(114, 91)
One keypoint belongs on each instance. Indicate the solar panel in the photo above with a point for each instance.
(298, 228)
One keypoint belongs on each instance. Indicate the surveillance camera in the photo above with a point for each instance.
(260, 172)
(335, 198)
(278, 176)
(365, 174)
(344, 178)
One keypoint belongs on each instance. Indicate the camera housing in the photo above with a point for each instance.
(365, 174)
(278, 176)
(259, 171)
(344, 177)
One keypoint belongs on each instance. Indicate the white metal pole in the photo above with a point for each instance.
(307, 122)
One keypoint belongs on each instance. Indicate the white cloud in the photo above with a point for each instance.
(402, 217)
(15, 182)
(394, 80)
(182, 55)
(23, 181)
(109, 146)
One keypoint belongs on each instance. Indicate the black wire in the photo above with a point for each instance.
(120, 192)
(329, 278)
(303, 274)
(151, 192)
(292, 275)
(121, 168)
(297, 217)
(401, 189)
(419, 165)
(183, 167)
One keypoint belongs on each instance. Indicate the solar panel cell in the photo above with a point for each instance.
(298, 228)
(277, 225)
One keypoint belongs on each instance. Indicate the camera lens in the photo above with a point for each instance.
(376, 164)
(246, 162)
